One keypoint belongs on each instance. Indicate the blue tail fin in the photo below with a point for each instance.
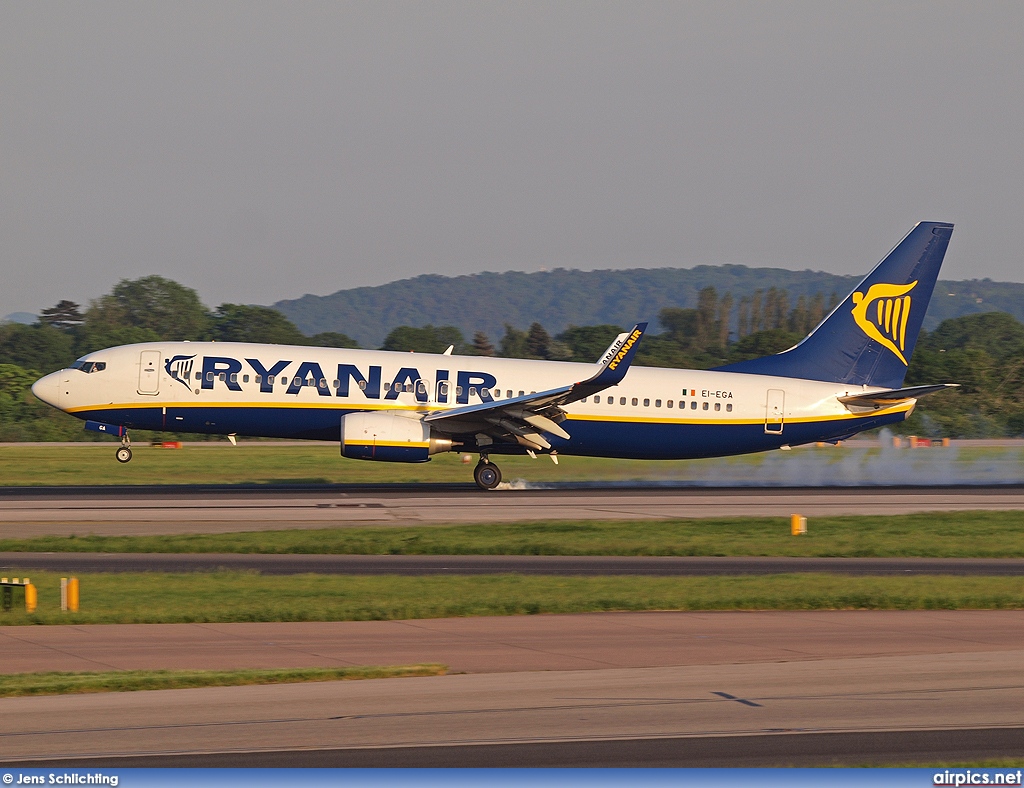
(868, 339)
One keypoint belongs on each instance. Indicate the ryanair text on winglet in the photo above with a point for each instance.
(625, 348)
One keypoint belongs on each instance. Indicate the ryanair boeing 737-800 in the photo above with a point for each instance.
(846, 376)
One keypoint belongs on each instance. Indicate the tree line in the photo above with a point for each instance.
(983, 352)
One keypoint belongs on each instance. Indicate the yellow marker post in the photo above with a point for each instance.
(31, 597)
(797, 525)
(73, 594)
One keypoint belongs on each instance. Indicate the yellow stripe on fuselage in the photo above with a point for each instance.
(612, 418)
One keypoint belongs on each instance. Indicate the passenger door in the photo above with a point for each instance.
(149, 372)
(775, 408)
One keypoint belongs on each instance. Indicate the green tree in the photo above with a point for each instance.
(242, 323)
(332, 339)
(482, 345)
(763, 343)
(587, 343)
(38, 347)
(513, 344)
(65, 316)
(707, 324)
(538, 341)
(428, 339)
(167, 309)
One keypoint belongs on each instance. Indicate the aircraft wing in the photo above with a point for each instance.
(893, 396)
(524, 419)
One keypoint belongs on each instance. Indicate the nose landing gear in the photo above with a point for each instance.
(487, 475)
(124, 453)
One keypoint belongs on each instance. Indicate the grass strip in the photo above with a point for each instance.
(319, 463)
(20, 684)
(229, 596)
(933, 534)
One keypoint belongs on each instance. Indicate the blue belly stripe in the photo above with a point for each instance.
(626, 440)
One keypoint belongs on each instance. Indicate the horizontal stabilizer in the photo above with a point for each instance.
(892, 396)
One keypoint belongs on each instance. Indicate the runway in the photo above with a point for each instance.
(663, 566)
(609, 689)
(122, 511)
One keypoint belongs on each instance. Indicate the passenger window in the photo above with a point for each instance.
(705, 406)
(258, 379)
(234, 377)
(611, 400)
(323, 383)
(209, 376)
(220, 377)
(199, 376)
(270, 379)
(728, 408)
(336, 384)
(635, 402)
(657, 403)
(362, 385)
(472, 391)
(509, 393)
(693, 406)
(718, 406)
(420, 388)
(668, 403)
(245, 378)
(622, 400)
(387, 386)
(443, 388)
(521, 393)
(647, 403)
(458, 391)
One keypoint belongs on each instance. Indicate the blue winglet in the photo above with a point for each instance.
(617, 360)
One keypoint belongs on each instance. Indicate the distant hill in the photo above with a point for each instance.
(26, 318)
(562, 297)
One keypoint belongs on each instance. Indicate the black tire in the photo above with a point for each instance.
(124, 454)
(487, 476)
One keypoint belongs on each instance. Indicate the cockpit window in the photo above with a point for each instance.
(89, 366)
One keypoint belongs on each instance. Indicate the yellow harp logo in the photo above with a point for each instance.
(886, 323)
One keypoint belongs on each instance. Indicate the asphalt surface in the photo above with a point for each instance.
(663, 566)
(123, 511)
(646, 689)
(841, 704)
(511, 644)
(775, 749)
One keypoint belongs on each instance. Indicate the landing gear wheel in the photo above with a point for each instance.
(487, 476)
(124, 454)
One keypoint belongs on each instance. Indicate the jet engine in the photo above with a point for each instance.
(389, 437)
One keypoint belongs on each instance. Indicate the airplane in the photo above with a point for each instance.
(845, 377)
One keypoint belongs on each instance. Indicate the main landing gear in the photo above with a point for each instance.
(124, 453)
(487, 475)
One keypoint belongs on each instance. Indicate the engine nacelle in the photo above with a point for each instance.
(388, 437)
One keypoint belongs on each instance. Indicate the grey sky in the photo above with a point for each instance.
(259, 151)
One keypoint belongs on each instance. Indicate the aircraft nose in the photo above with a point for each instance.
(47, 388)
